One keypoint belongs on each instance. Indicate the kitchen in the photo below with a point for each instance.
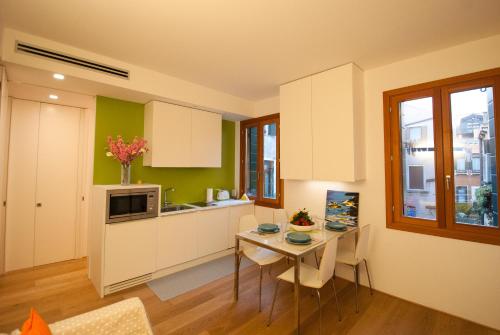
(265, 123)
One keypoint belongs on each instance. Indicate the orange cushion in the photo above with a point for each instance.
(35, 325)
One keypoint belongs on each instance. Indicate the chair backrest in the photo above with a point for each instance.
(327, 265)
(362, 245)
(280, 216)
(248, 222)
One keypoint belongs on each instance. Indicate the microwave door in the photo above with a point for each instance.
(138, 204)
(119, 206)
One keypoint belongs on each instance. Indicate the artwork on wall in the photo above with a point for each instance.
(342, 207)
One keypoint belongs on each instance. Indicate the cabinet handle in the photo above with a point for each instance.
(39, 204)
(448, 178)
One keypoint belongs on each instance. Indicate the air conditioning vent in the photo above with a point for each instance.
(68, 59)
(128, 283)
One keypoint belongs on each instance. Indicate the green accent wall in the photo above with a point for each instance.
(118, 117)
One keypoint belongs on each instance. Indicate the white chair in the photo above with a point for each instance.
(258, 255)
(353, 259)
(313, 278)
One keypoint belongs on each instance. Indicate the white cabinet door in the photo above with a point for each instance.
(295, 130)
(21, 186)
(57, 183)
(167, 128)
(337, 130)
(176, 240)
(212, 230)
(130, 250)
(234, 220)
(206, 139)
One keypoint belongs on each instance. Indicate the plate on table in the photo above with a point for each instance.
(298, 238)
(336, 226)
(298, 243)
(268, 228)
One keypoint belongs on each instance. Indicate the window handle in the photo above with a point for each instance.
(448, 178)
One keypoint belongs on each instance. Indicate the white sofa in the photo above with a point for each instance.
(123, 318)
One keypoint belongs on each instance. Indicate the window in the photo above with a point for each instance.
(415, 133)
(460, 161)
(259, 169)
(416, 177)
(440, 154)
(476, 164)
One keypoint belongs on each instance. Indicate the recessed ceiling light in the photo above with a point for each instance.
(58, 76)
(53, 97)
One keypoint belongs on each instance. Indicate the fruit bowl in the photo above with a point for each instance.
(302, 228)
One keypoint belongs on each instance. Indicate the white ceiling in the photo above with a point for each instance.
(249, 47)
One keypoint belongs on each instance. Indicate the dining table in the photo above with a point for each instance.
(277, 242)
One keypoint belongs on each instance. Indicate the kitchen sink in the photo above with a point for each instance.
(202, 204)
(175, 208)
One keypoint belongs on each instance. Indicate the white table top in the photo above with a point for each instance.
(276, 242)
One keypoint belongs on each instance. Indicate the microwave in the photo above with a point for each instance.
(131, 204)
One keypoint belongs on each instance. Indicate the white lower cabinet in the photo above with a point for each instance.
(234, 221)
(187, 236)
(175, 240)
(211, 233)
(130, 250)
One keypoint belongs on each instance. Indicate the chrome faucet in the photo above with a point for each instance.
(165, 202)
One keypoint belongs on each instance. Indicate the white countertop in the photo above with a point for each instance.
(124, 187)
(218, 204)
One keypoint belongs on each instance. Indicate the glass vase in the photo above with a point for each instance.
(125, 175)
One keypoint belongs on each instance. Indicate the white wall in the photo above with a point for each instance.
(458, 277)
(266, 106)
(4, 154)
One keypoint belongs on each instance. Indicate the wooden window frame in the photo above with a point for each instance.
(259, 123)
(439, 90)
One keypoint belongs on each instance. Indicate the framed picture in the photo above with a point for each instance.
(343, 207)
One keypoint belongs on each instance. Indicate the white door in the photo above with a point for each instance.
(43, 169)
(176, 240)
(21, 185)
(57, 183)
(171, 136)
(206, 139)
(295, 130)
(211, 235)
(125, 260)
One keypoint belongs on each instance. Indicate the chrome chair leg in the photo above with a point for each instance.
(369, 279)
(260, 289)
(336, 301)
(274, 301)
(319, 309)
(355, 270)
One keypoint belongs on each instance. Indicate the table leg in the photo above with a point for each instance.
(236, 268)
(297, 291)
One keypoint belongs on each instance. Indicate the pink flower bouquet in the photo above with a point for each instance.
(124, 152)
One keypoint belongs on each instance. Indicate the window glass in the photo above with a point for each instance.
(251, 162)
(269, 133)
(417, 158)
(474, 142)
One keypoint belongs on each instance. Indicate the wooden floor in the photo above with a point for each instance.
(62, 290)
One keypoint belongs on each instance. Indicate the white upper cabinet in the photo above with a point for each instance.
(332, 146)
(206, 139)
(295, 130)
(181, 137)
